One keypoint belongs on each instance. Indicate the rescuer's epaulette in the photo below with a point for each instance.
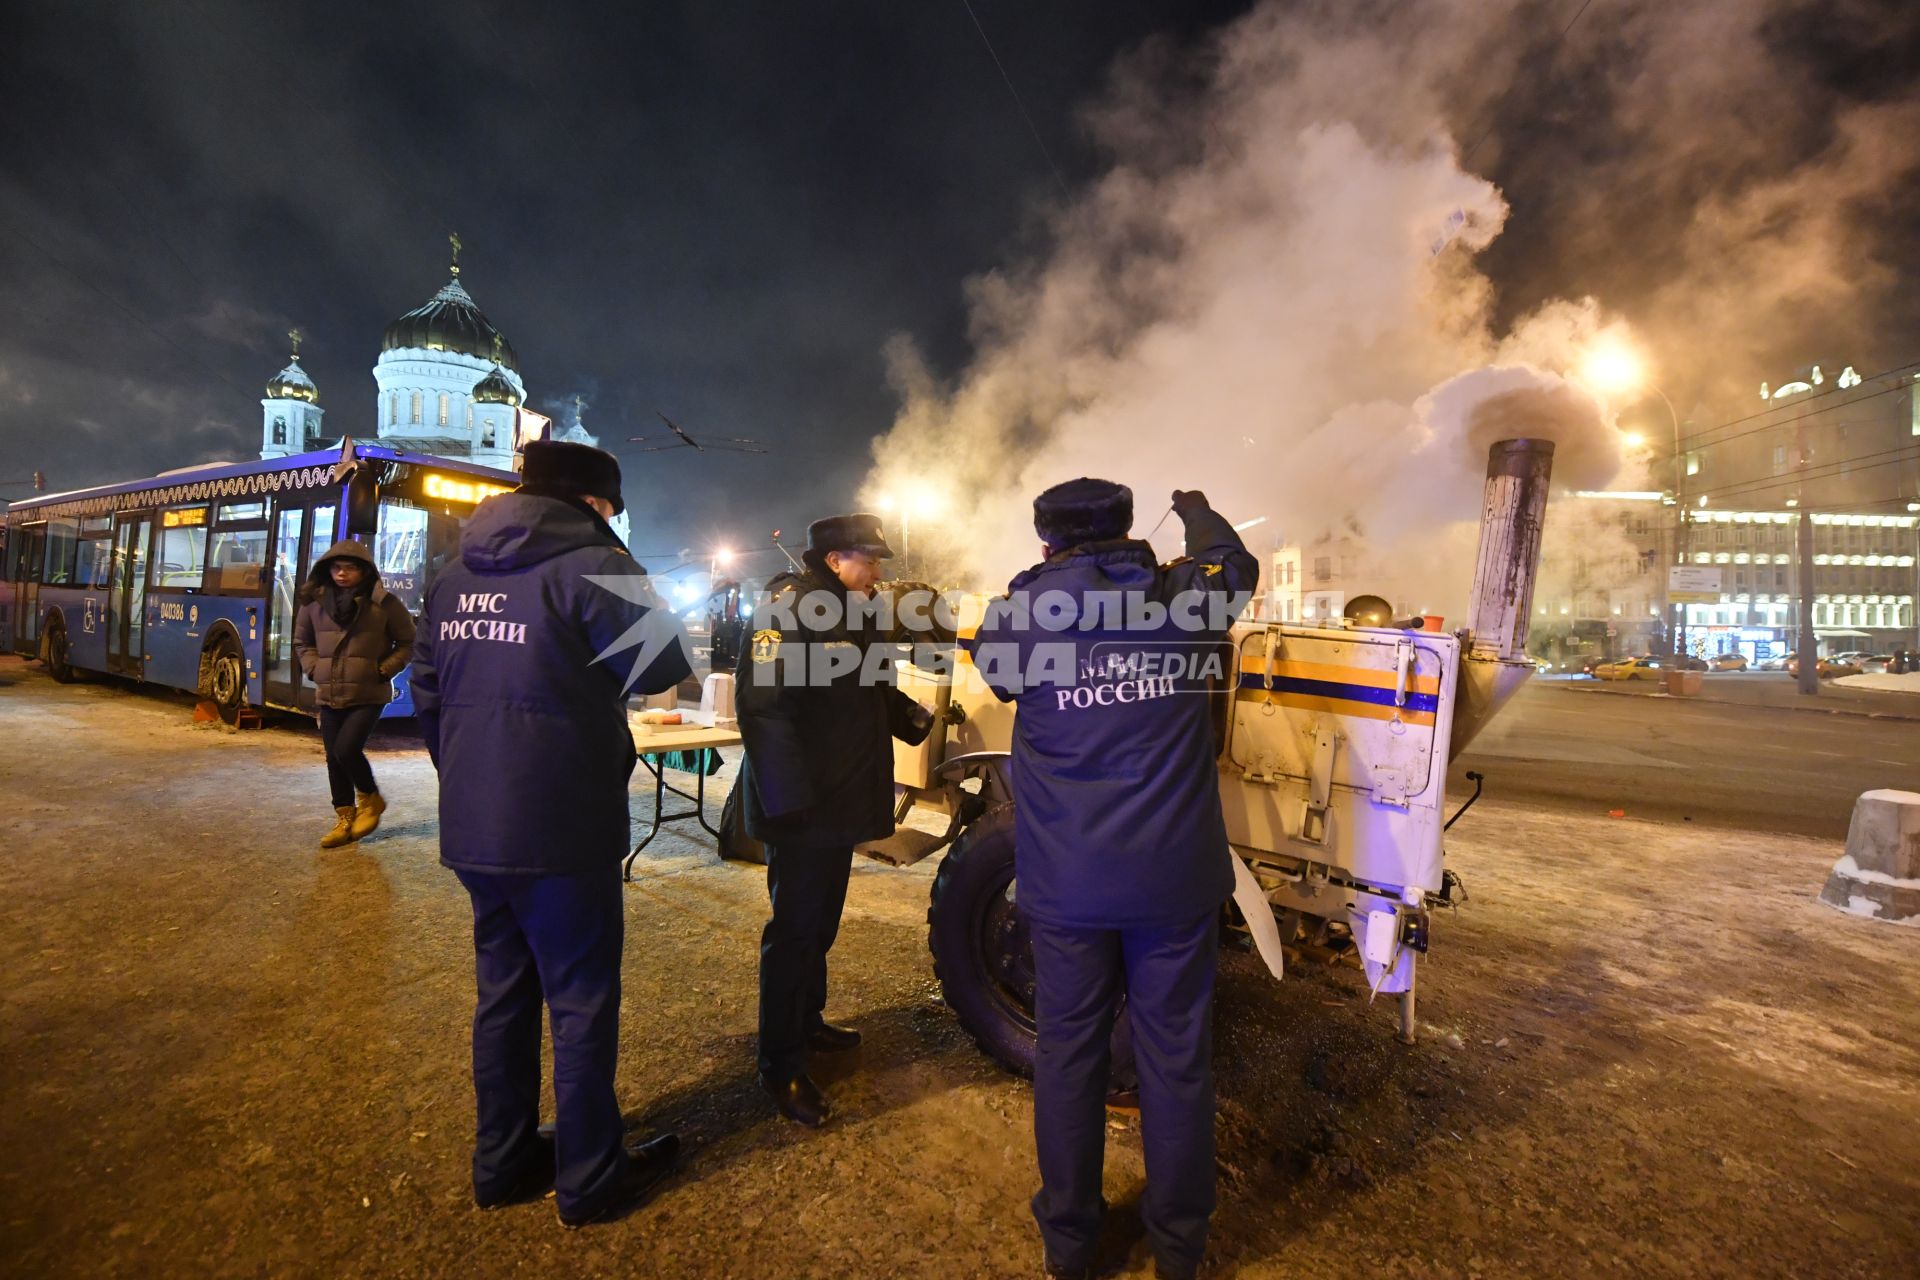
(1176, 563)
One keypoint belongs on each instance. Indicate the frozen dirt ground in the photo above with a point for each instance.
(1645, 1050)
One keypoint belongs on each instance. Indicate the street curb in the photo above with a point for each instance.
(1757, 706)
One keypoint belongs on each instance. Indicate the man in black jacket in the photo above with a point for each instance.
(817, 717)
(520, 680)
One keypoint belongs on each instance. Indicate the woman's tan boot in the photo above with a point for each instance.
(342, 832)
(366, 816)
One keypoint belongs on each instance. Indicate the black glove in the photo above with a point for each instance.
(1188, 501)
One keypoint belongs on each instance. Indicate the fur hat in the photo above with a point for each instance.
(1083, 510)
(857, 532)
(561, 469)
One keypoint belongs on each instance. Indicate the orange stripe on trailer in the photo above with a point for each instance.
(1369, 676)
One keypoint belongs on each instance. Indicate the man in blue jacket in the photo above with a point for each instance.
(520, 677)
(1120, 851)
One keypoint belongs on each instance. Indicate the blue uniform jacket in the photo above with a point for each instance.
(528, 730)
(1118, 821)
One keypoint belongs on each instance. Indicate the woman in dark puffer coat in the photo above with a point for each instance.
(352, 637)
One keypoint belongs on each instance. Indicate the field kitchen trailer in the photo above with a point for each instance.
(1333, 745)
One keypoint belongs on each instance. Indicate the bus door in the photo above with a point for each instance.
(26, 607)
(283, 676)
(127, 594)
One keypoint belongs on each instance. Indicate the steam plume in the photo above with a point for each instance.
(1277, 291)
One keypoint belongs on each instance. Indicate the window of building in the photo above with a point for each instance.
(416, 409)
(393, 408)
(279, 430)
(1322, 568)
(443, 408)
(486, 434)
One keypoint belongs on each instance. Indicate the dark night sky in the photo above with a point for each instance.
(719, 209)
(722, 209)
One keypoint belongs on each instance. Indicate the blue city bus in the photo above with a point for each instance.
(191, 579)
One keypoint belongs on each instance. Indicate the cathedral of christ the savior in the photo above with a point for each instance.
(447, 384)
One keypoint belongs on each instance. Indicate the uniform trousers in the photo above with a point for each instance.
(552, 939)
(808, 887)
(1166, 975)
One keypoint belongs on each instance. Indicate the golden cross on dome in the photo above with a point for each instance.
(453, 238)
(294, 336)
(496, 348)
(579, 407)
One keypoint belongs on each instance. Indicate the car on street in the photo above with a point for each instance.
(1825, 668)
(1641, 667)
(1878, 664)
(1778, 662)
(1728, 662)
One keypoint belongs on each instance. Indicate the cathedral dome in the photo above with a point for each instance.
(450, 322)
(495, 389)
(292, 383)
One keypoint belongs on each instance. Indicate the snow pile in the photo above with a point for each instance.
(1908, 683)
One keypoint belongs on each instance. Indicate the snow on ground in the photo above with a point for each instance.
(1908, 683)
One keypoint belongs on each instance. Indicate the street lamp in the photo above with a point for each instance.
(1616, 367)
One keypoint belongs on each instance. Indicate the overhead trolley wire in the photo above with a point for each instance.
(1018, 104)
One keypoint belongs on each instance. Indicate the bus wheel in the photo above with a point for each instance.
(225, 682)
(54, 650)
(983, 953)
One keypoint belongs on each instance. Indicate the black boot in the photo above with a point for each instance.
(798, 1098)
(827, 1038)
(648, 1164)
(533, 1182)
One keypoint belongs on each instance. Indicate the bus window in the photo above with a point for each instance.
(63, 552)
(95, 566)
(238, 560)
(320, 533)
(286, 591)
(400, 549)
(183, 548)
(232, 512)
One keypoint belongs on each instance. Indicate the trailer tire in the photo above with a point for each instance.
(983, 955)
(58, 657)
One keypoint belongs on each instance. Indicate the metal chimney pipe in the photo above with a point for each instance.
(1501, 606)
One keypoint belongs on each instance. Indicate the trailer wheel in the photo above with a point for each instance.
(57, 655)
(983, 954)
(225, 679)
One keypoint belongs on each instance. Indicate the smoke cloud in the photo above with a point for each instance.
(1279, 289)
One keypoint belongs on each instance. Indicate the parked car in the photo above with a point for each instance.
(1686, 662)
(1778, 662)
(1643, 667)
(1878, 664)
(1728, 662)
